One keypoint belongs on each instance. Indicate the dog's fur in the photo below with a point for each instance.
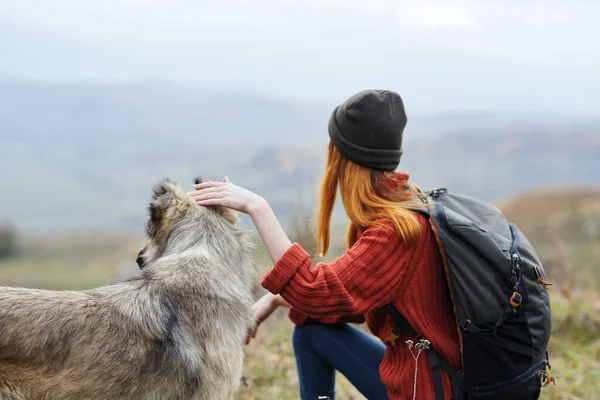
(174, 331)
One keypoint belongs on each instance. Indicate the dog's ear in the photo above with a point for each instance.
(198, 180)
(161, 188)
(155, 220)
(140, 259)
(156, 213)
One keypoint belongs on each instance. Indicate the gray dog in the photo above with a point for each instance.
(174, 331)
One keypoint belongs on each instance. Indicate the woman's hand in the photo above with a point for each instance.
(226, 194)
(262, 309)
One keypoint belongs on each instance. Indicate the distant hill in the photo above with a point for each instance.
(546, 211)
(563, 225)
(152, 116)
(85, 156)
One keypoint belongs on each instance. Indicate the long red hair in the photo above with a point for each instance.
(368, 196)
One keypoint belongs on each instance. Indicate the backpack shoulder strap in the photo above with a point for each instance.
(400, 323)
(438, 363)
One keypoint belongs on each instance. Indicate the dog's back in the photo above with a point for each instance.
(94, 345)
(175, 331)
(131, 340)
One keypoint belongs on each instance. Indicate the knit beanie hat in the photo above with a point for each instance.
(367, 129)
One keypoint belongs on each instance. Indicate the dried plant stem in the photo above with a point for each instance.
(422, 345)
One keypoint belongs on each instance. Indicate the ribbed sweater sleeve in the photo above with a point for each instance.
(365, 278)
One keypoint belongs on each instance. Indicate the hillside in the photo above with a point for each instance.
(564, 227)
(85, 156)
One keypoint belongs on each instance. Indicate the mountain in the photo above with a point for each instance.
(81, 156)
(152, 116)
(507, 163)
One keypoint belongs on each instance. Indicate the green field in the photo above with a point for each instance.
(74, 261)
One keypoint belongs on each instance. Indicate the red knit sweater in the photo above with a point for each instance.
(380, 268)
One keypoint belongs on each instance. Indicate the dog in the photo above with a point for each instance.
(175, 330)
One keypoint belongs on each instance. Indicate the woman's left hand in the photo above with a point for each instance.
(226, 194)
(262, 309)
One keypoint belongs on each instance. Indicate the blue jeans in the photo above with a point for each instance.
(322, 349)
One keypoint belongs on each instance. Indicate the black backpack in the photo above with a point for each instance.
(498, 287)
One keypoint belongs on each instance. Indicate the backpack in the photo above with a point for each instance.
(498, 288)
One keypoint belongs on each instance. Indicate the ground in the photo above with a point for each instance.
(270, 371)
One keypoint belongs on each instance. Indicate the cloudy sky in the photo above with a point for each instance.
(484, 55)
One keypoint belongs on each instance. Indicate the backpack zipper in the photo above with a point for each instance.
(443, 216)
(435, 193)
(540, 278)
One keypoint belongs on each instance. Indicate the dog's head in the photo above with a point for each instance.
(172, 214)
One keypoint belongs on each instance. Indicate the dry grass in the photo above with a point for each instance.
(564, 228)
(270, 370)
(575, 346)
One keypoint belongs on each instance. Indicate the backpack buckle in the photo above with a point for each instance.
(516, 299)
(548, 379)
(466, 324)
(391, 339)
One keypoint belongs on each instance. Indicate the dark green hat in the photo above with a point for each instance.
(367, 129)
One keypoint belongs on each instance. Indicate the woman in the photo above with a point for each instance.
(392, 257)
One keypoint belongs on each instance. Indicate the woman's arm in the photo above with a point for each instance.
(270, 230)
(262, 309)
(280, 301)
(270, 303)
(364, 278)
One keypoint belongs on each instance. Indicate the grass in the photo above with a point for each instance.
(71, 262)
(269, 371)
(575, 345)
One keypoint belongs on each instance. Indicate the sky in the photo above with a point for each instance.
(442, 56)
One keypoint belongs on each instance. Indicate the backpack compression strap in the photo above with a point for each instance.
(437, 362)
